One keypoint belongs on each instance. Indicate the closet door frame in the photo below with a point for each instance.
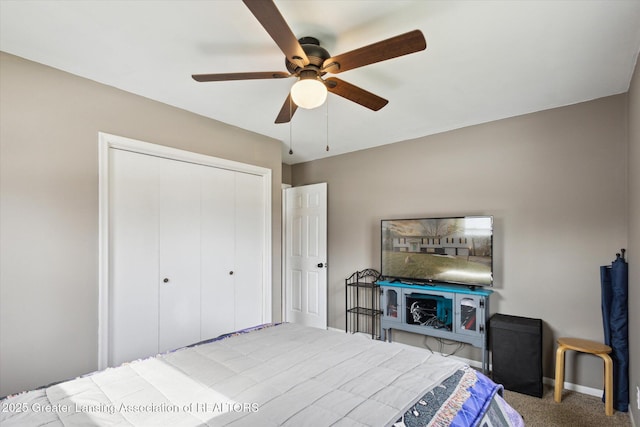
(107, 142)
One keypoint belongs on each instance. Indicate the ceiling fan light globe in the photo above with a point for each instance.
(309, 93)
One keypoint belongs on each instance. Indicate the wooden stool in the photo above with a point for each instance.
(590, 347)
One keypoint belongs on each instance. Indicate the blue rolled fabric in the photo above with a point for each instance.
(607, 297)
(615, 319)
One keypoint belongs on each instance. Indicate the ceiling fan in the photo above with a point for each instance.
(309, 62)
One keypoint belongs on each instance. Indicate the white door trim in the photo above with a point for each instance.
(107, 141)
(283, 251)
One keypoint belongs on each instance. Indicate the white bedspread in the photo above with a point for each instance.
(281, 375)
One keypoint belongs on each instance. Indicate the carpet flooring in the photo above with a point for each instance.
(575, 410)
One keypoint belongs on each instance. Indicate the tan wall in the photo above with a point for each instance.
(286, 174)
(49, 209)
(634, 242)
(555, 182)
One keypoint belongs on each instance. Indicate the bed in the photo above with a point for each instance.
(273, 375)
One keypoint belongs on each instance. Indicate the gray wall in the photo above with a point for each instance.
(49, 124)
(555, 182)
(634, 242)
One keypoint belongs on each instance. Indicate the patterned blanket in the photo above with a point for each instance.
(467, 398)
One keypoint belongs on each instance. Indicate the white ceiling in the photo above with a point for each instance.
(485, 60)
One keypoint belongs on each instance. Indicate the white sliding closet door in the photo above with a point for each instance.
(186, 253)
(155, 272)
(179, 232)
(249, 238)
(232, 251)
(134, 263)
(218, 245)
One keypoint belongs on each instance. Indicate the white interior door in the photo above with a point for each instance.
(306, 255)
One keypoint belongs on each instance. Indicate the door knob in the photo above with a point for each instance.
(166, 280)
(321, 264)
(231, 273)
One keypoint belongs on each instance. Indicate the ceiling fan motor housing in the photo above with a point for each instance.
(316, 54)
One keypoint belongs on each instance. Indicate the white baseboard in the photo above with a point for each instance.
(597, 392)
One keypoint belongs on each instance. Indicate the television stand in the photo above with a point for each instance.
(457, 313)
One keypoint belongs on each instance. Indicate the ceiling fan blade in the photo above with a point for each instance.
(394, 47)
(240, 76)
(287, 111)
(272, 20)
(355, 94)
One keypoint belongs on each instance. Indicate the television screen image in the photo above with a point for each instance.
(439, 250)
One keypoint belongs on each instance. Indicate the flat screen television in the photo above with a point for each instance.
(455, 250)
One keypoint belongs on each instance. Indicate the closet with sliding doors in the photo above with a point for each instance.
(186, 253)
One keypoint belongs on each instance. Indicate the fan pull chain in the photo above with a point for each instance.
(290, 140)
(290, 131)
(327, 118)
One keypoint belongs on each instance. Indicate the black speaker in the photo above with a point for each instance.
(516, 353)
